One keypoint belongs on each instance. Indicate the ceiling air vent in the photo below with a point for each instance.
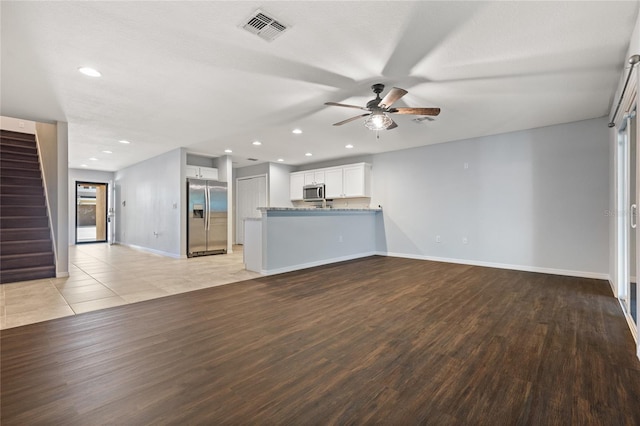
(252, 159)
(422, 119)
(264, 26)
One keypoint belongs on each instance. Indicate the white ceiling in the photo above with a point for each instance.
(185, 74)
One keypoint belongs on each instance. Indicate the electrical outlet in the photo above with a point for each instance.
(466, 166)
(465, 240)
(340, 240)
(438, 239)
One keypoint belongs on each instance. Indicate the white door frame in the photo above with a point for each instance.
(622, 201)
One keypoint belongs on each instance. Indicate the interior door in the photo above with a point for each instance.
(251, 194)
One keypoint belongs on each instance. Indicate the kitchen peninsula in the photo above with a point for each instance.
(290, 238)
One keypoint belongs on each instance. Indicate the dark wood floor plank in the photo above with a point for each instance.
(375, 340)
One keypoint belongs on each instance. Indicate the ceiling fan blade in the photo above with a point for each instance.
(393, 125)
(348, 120)
(415, 111)
(345, 105)
(393, 95)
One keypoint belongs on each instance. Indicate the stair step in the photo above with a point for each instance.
(23, 211)
(26, 274)
(19, 164)
(14, 134)
(22, 200)
(24, 234)
(21, 190)
(7, 147)
(19, 172)
(21, 181)
(23, 222)
(18, 247)
(26, 143)
(26, 260)
(18, 156)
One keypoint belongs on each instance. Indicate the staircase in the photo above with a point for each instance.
(26, 250)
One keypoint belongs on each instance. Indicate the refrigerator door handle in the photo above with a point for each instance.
(206, 209)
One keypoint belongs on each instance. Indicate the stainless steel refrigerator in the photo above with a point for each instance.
(206, 217)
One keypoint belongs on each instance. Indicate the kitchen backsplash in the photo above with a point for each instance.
(343, 203)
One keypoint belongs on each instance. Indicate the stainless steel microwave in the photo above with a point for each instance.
(313, 192)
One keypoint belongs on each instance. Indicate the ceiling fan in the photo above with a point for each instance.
(378, 108)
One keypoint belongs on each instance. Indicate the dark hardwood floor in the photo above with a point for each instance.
(376, 340)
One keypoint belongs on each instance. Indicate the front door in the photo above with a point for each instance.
(91, 212)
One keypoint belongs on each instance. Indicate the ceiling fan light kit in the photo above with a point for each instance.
(377, 121)
(377, 118)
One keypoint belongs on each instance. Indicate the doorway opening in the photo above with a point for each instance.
(91, 212)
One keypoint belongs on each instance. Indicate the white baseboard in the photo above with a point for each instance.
(564, 272)
(62, 274)
(154, 251)
(316, 263)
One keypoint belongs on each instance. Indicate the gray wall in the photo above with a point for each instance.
(279, 193)
(336, 162)
(532, 199)
(153, 193)
(293, 240)
(84, 175)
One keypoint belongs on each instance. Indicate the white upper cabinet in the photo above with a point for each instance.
(350, 181)
(356, 181)
(312, 177)
(333, 183)
(202, 172)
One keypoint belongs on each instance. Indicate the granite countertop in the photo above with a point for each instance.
(316, 209)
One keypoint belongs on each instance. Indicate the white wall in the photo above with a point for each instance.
(532, 200)
(84, 175)
(152, 192)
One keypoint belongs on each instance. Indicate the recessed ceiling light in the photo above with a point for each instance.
(257, 143)
(296, 131)
(93, 159)
(308, 154)
(107, 151)
(125, 142)
(83, 165)
(281, 159)
(348, 146)
(90, 72)
(228, 151)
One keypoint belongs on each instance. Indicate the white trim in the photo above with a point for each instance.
(553, 271)
(316, 263)
(54, 242)
(153, 251)
(62, 274)
(632, 325)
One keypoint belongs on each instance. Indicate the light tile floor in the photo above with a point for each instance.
(102, 276)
